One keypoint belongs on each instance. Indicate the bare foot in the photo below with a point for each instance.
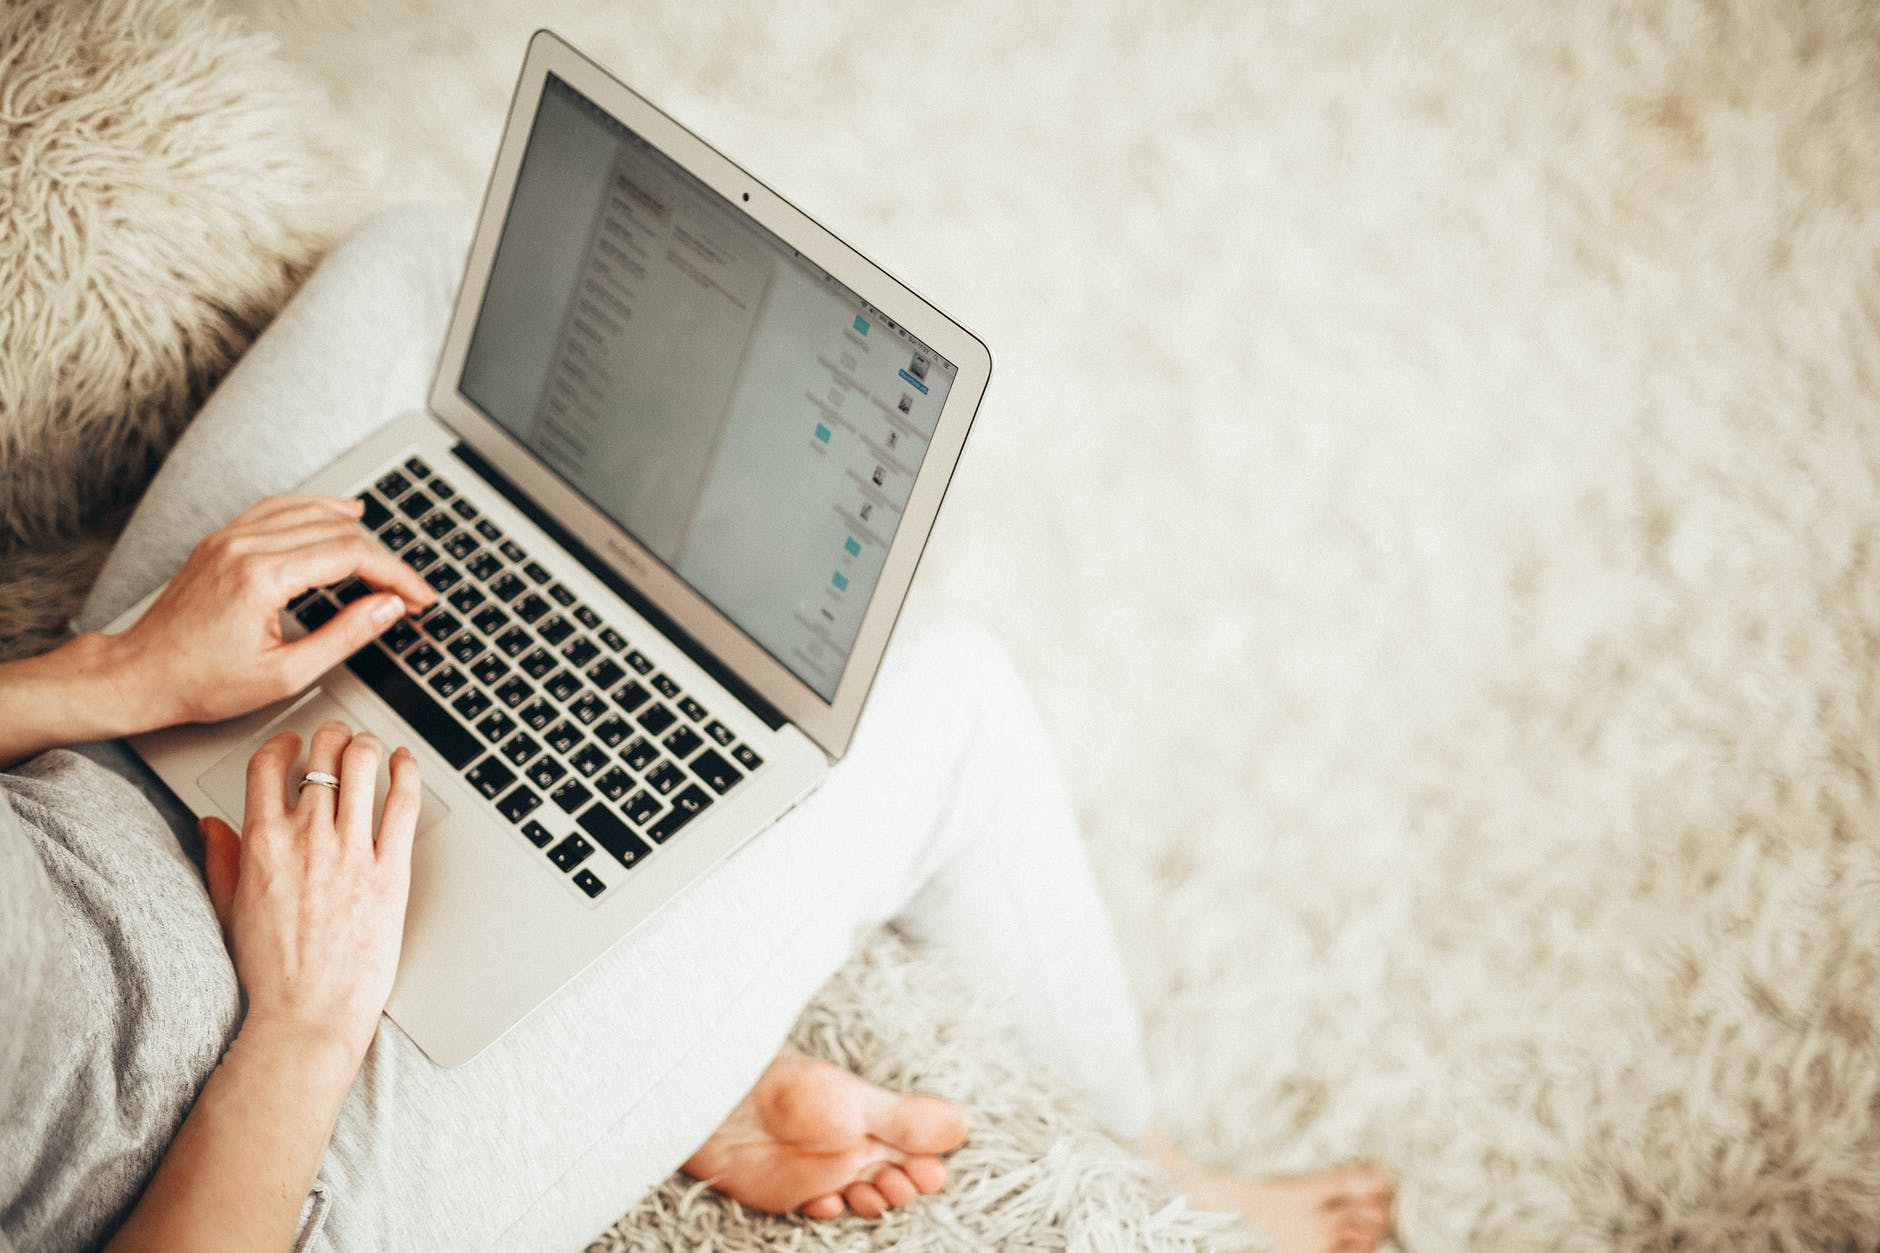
(815, 1139)
(1344, 1210)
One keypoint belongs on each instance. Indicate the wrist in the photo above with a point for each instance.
(320, 1059)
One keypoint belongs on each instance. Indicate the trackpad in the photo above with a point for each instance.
(226, 782)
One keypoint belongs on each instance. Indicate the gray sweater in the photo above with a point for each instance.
(117, 999)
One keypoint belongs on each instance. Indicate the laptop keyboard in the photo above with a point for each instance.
(547, 710)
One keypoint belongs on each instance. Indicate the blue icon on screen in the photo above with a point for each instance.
(861, 324)
(822, 432)
(841, 581)
(853, 546)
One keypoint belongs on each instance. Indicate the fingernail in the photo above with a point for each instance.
(388, 610)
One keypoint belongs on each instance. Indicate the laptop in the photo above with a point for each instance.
(682, 452)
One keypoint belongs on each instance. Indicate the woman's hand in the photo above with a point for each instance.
(210, 646)
(311, 898)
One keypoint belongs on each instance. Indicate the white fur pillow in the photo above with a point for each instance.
(161, 192)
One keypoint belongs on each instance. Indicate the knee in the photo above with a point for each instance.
(960, 658)
(410, 251)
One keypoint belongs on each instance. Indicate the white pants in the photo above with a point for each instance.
(947, 816)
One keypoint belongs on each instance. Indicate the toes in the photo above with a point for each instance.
(829, 1206)
(895, 1187)
(917, 1124)
(928, 1173)
(864, 1200)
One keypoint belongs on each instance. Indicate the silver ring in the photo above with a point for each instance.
(318, 776)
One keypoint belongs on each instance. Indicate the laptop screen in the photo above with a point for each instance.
(746, 417)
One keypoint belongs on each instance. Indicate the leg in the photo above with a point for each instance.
(615, 1081)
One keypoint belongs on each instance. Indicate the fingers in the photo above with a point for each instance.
(323, 754)
(267, 776)
(355, 626)
(222, 861)
(358, 787)
(272, 507)
(329, 561)
(400, 821)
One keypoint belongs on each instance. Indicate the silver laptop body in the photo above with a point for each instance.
(681, 455)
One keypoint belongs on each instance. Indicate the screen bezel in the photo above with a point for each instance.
(830, 724)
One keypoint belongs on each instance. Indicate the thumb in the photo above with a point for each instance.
(222, 865)
(350, 630)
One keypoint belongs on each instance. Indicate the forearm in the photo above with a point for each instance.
(81, 691)
(245, 1159)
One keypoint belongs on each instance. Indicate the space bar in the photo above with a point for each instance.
(439, 727)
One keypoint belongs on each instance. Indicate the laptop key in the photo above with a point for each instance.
(612, 731)
(513, 551)
(376, 514)
(720, 775)
(640, 662)
(420, 557)
(614, 639)
(688, 805)
(563, 685)
(490, 777)
(437, 525)
(441, 625)
(615, 784)
(472, 704)
(316, 613)
(571, 795)
(496, 726)
(466, 599)
(536, 834)
(439, 728)
(514, 640)
(720, 733)
(587, 708)
(587, 617)
(416, 505)
(489, 530)
(538, 714)
(746, 758)
(631, 697)
(443, 578)
(442, 490)
(589, 760)
(560, 595)
(665, 778)
(396, 536)
(491, 670)
(589, 882)
(349, 591)
(491, 620)
(639, 755)
(579, 651)
(462, 545)
(448, 682)
(484, 565)
(642, 808)
(605, 673)
(537, 571)
(571, 852)
(514, 692)
(530, 607)
(538, 663)
(564, 737)
(554, 629)
(614, 835)
(506, 586)
(466, 648)
(424, 658)
(657, 718)
(519, 803)
(519, 749)
(664, 685)
(692, 709)
(393, 484)
(683, 742)
(400, 635)
(418, 469)
(464, 509)
(545, 772)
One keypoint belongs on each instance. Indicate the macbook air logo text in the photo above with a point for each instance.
(625, 556)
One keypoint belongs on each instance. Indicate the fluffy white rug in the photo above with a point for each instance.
(1430, 478)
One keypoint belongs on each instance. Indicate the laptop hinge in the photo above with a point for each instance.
(644, 607)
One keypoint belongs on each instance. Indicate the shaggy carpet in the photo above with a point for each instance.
(1430, 477)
